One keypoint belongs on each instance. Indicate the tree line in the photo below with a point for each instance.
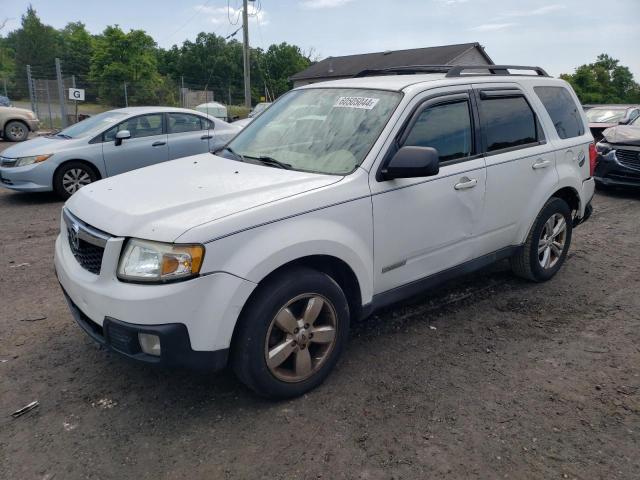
(106, 61)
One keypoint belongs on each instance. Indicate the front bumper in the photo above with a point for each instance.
(31, 178)
(122, 338)
(611, 172)
(194, 318)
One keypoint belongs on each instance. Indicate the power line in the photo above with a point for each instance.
(198, 11)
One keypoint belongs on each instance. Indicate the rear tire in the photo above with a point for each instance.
(72, 176)
(545, 250)
(291, 333)
(16, 131)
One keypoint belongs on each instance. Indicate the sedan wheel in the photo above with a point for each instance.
(300, 338)
(74, 179)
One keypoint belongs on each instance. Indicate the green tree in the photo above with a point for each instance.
(76, 49)
(604, 81)
(130, 58)
(281, 61)
(35, 44)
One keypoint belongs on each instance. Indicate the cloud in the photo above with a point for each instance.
(492, 27)
(452, 2)
(538, 11)
(222, 15)
(318, 4)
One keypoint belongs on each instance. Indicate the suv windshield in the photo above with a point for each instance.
(324, 130)
(91, 124)
(605, 115)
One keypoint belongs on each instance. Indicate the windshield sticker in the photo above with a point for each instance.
(364, 103)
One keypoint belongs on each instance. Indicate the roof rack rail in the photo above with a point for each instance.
(403, 70)
(456, 70)
(451, 70)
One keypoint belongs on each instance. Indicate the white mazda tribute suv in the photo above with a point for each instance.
(341, 198)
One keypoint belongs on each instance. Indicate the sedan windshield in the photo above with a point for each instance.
(605, 115)
(324, 130)
(91, 124)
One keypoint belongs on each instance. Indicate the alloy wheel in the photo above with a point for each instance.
(74, 179)
(301, 337)
(552, 241)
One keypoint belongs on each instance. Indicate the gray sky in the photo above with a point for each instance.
(557, 35)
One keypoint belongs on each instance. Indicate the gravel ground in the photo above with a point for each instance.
(487, 377)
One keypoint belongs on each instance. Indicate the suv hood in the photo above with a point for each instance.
(624, 134)
(39, 146)
(163, 201)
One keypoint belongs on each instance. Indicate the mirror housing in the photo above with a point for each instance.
(122, 135)
(412, 162)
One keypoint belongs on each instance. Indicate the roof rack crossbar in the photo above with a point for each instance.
(451, 71)
(457, 70)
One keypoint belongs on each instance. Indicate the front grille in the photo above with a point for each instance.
(88, 256)
(7, 162)
(86, 242)
(628, 157)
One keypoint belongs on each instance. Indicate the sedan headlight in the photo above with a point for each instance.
(146, 261)
(23, 161)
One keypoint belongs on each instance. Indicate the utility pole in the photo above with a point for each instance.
(245, 51)
(63, 103)
(4, 80)
(126, 97)
(31, 92)
(182, 102)
(73, 84)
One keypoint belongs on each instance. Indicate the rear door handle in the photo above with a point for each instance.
(541, 164)
(206, 137)
(158, 144)
(466, 183)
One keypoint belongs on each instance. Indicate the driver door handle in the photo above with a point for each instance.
(541, 164)
(206, 137)
(465, 183)
(159, 143)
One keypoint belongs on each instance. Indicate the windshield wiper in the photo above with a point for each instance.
(272, 162)
(233, 152)
(63, 135)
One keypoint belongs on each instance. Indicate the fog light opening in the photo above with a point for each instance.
(150, 344)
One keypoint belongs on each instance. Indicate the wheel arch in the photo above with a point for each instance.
(93, 167)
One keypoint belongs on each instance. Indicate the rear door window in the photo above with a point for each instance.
(563, 111)
(508, 122)
(184, 122)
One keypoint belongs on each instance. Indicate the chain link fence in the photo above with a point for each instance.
(45, 90)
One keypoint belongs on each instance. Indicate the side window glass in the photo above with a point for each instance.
(563, 111)
(141, 126)
(508, 122)
(184, 122)
(445, 127)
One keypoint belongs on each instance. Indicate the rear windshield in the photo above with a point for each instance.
(606, 115)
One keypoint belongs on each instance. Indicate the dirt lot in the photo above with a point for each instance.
(488, 377)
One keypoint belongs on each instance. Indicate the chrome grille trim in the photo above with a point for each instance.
(85, 232)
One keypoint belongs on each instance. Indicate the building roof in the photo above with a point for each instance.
(350, 65)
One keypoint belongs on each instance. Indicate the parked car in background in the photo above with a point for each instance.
(384, 186)
(4, 101)
(108, 144)
(618, 163)
(602, 117)
(214, 109)
(17, 123)
(259, 108)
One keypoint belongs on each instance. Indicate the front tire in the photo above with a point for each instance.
(291, 333)
(547, 245)
(71, 177)
(16, 131)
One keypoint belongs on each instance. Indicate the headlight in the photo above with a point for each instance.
(23, 161)
(603, 148)
(146, 261)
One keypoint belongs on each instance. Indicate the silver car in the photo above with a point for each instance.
(108, 144)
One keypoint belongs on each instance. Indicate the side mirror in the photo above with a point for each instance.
(412, 162)
(122, 135)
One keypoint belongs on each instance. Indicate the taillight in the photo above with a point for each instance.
(593, 156)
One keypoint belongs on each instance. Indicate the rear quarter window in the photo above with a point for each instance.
(563, 111)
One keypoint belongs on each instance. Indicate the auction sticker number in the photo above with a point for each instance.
(364, 103)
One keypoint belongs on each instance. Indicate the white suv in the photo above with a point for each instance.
(341, 198)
